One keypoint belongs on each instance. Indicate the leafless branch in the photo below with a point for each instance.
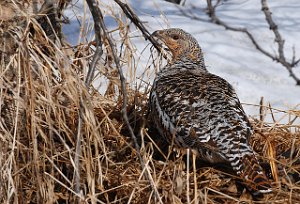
(123, 85)
(212, 14)
(78, 150)
(211, 11)
(135, 19)
(99, 51)
(274, 28)
(100, 26)
(279, 40)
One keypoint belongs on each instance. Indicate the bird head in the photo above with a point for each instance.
(183, 46)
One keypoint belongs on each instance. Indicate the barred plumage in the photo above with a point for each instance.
(201, 111)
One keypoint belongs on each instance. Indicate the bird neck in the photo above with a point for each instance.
(189, 62)
(192, 55)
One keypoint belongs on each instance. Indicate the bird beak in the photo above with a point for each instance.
(158, 35)
(154, 33)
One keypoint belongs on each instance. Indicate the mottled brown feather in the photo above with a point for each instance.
(201, 111)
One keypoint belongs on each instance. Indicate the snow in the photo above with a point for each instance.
(228, 54)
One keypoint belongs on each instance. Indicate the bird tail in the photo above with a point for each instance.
(253, 175)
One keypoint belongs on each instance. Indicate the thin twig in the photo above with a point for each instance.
(78, 150)
(188, 176)
(214, 19)
(211, 11)
(124, 108)
(274, 28)
(135, 19)
(99, 51)
(279, 40)
(100, 26)
(95, 11)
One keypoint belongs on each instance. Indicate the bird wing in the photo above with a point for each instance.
(187, 106)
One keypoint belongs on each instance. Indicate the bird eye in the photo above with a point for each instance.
(175, 37)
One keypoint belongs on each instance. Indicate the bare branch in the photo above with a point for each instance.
(281, 58)
(212, 14)
(135, 19)
(101, 26)
(78, 150)
(279, 40)
(274, 28)
(97, 19)
(97, 27)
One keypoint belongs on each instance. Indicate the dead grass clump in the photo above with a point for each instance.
(42, 90)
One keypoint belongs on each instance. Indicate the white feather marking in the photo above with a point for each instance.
(266, 191)
(165, 118)
(197, 104)
(206, 138)
(235, 163)
(232, 157)
(185, 102)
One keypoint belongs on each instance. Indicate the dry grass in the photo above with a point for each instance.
(41, 85)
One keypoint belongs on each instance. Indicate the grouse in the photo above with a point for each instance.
(201, 111)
